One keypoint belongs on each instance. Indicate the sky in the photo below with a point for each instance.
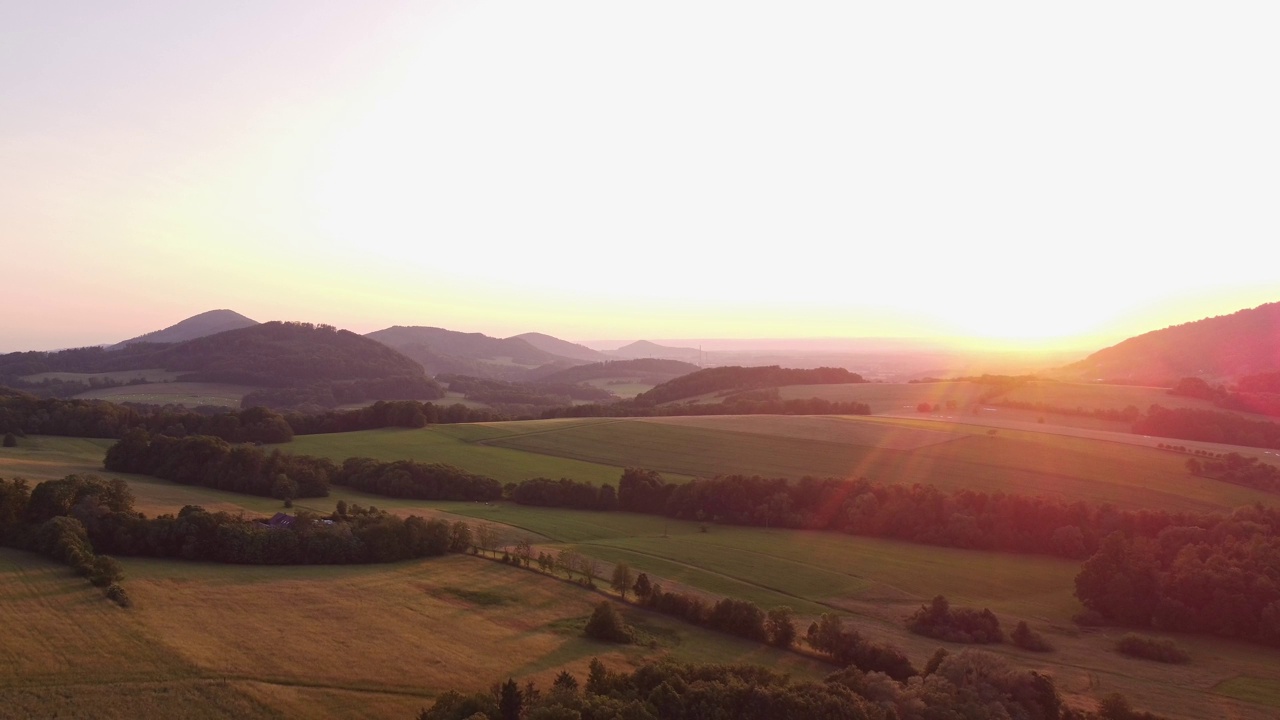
(1011, 173)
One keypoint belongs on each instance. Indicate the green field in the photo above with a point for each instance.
(212, 628)
(890, 397)
(191, 394)
(124, 376)
(949, 456)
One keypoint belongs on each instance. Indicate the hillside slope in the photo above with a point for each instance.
(196, 326)
(447, 351)
(561, 348)
(1216, 349)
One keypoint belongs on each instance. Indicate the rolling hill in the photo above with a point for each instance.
(447, 351)
(196, 326)
(1216, 349)
(645, 349)
(561, 348)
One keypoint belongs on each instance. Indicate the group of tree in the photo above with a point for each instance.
(213, 462)
(416, 480)
(525, 394)
(40, 521)
(1253, 394)
(73, 517)
(970, 684)
(1130, 414)
(734, 377)
(963, 625)
(1208, 426)
(637, 407)
(917, 513)
(1217, 577)
(320, 396)
(565, 493)
(1236, 468)
(22, 413)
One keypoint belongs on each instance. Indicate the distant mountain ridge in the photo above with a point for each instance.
(1217, 349)
(561, 348)
(646, 349)
(196, 326)
(448, 351)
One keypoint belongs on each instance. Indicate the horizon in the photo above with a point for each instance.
(968, 176)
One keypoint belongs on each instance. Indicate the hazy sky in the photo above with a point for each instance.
(1058, 172)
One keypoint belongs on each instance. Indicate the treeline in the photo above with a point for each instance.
(416, 480)
(564, 493)
(1238, 469)
(87, 513)
(25, 414)
(1129, 414)
(1253, 394)
(740, 406)
(536, 394)
(1208, 426)
(969, 684)
(1221, 578)
(321, 396)
(212, 462)
(734, 377)
(215, 463)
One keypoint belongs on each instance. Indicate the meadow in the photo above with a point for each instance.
(950, 456)
(216, 629)
(191, 394)
(220, 641)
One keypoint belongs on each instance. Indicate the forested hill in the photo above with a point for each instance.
(448, 351)
(744, 378)
(274, 354)
(1220, 348)
(196, 326)
(652, 369)
(561, 348)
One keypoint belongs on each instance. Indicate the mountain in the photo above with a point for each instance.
(561, 348)
(1216, 349)
(196, 326)
(291, 364)
(646, 349)
(448, 351)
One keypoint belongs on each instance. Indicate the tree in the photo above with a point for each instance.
(642, 586)
(10, 440)
(283, 488)
(780, 627)
(621, 579)
(606, 624)
(510, 700)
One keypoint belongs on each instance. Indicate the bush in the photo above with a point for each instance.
(1152, 648)
(117, 595)
(1028, 639)
(966, 625)
(606, 624)
(10, 440)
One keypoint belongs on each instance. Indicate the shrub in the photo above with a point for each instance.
(606, 624)
(1028, 639)
(939, 620)
(1152, 648)
(117, 594)
(10, 440)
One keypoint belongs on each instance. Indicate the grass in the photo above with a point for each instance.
(191, 394)
(890, 397)
(459, 445)
(1263, 691)
(155, 375)
(366, 641)
(378, 640)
